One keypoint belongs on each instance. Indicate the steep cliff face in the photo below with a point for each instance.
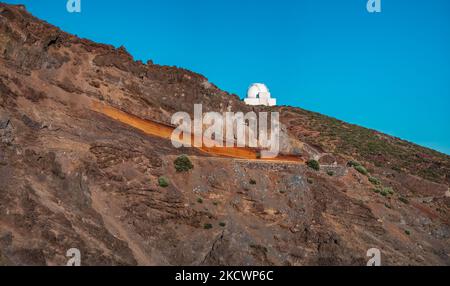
(72, 177)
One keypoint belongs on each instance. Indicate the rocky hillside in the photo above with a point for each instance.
(71, 177)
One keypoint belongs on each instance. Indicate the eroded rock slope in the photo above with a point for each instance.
(71, 177)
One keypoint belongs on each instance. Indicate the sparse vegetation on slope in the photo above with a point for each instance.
(365, 145)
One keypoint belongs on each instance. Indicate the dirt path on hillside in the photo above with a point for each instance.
(165, 132)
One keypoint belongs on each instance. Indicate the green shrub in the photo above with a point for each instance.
(200, 201)
(222, 224)
(407, 232)
(207, 226)
(389, 190)
(310, 181)
(386, 191)
(353, 164)
(404, 200)
(163, 182)
(313, 164)
(374, 181)
(361, 169)
(252, 182)
(183, 164)
(330, 173)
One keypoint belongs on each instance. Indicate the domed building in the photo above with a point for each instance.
(259, 94)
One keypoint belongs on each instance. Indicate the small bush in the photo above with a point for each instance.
(404, 200)
(162, 182)
(183, 164)
(200, 201)
(252, 182)
(216, 203)
(330, 173)
(407, 232)
(389, 190)
(374, 181)
(222, 224)
(207, 226)
(310, 181)
(313, 164)
(386, 192)
(361, 169)
(353, 164)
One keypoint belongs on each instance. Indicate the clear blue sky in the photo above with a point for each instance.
(387, 71)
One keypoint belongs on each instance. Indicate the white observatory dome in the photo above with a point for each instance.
(259, 94)
(256, 89)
